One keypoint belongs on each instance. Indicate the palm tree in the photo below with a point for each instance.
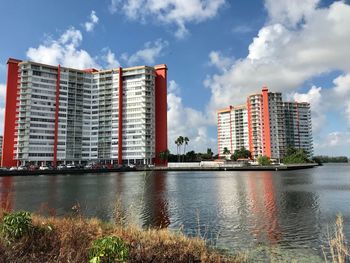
(180, 142)
(177, 142)
(226, 151)
(186, 140)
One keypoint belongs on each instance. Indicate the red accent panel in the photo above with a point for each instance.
(250, 130)
(161, 137)
(120, 118)
(56, 115)
(11, 110)
(266, 121)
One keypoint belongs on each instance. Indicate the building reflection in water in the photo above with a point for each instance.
(264, 207)
(6, 195)
(155, 208)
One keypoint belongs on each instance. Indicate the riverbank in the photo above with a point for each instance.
(161, 168)
(73, 239)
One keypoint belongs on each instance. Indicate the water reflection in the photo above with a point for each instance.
(289, 210)
(6, 196)
(155, 205)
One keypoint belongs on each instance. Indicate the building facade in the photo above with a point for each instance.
(270, 125)
(58, 115)
(232, 129)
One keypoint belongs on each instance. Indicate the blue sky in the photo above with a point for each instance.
(217, 52)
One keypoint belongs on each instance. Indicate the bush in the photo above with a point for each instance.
(294, 155)
(108, 249)
(16, 225)
(264, 160)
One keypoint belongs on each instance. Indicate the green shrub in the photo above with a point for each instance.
(16, 225)
(108, 249)
(264, 160)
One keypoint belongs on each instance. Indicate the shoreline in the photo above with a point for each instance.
(161, 168)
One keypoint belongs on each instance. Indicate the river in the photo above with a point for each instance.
(274, 215)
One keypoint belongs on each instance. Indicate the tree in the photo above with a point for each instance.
(264, 160)
(210, 153)
(226, 151)
(191, 156)
(294, 155)
(179, 141)
(186, 140)
(164, 155)
(240, 153)
(177, 148)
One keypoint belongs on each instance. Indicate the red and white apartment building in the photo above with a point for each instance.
(265, 125)
(59, 115)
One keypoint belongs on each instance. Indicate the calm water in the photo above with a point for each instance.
(282, 214)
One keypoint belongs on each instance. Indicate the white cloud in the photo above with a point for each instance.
(148, 54)
(188, 122)
(64, 51)
(218, 60)
(110, 59)
(93, 20)
(173, 87)
(290, 12)
(336, 139)
(2, 106)
(174, 12)
(2, 93)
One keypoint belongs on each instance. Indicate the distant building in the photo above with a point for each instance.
(57, 115)
(266, 126)
(232, 128)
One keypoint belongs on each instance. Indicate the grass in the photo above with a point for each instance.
(78, 239)
(337, 247)
(70, 239)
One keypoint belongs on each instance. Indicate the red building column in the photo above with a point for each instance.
(161, 111)
(266, 123)
(11, 109)
(120, 117)
(56, 115)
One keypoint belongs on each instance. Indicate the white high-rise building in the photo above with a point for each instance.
(70, 115)
(269, 126)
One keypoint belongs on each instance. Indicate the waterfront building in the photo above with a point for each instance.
(232, 128)
(58, 115)
(270, 125)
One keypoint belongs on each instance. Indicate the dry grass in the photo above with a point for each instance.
(69, 239)
(337, 245)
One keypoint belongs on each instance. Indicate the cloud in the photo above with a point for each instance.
(64, 51)
(187, 122)
(170, 12)
(219, 61)
(173, 87)
(148, 54)
(110, 59)
(2, 106)
(242, 29)
(93, 20)
(341, 94)
(290, 12)
(334, 140)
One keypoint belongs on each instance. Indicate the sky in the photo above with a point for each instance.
(217, 52)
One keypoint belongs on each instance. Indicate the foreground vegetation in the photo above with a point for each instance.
(32, 238)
